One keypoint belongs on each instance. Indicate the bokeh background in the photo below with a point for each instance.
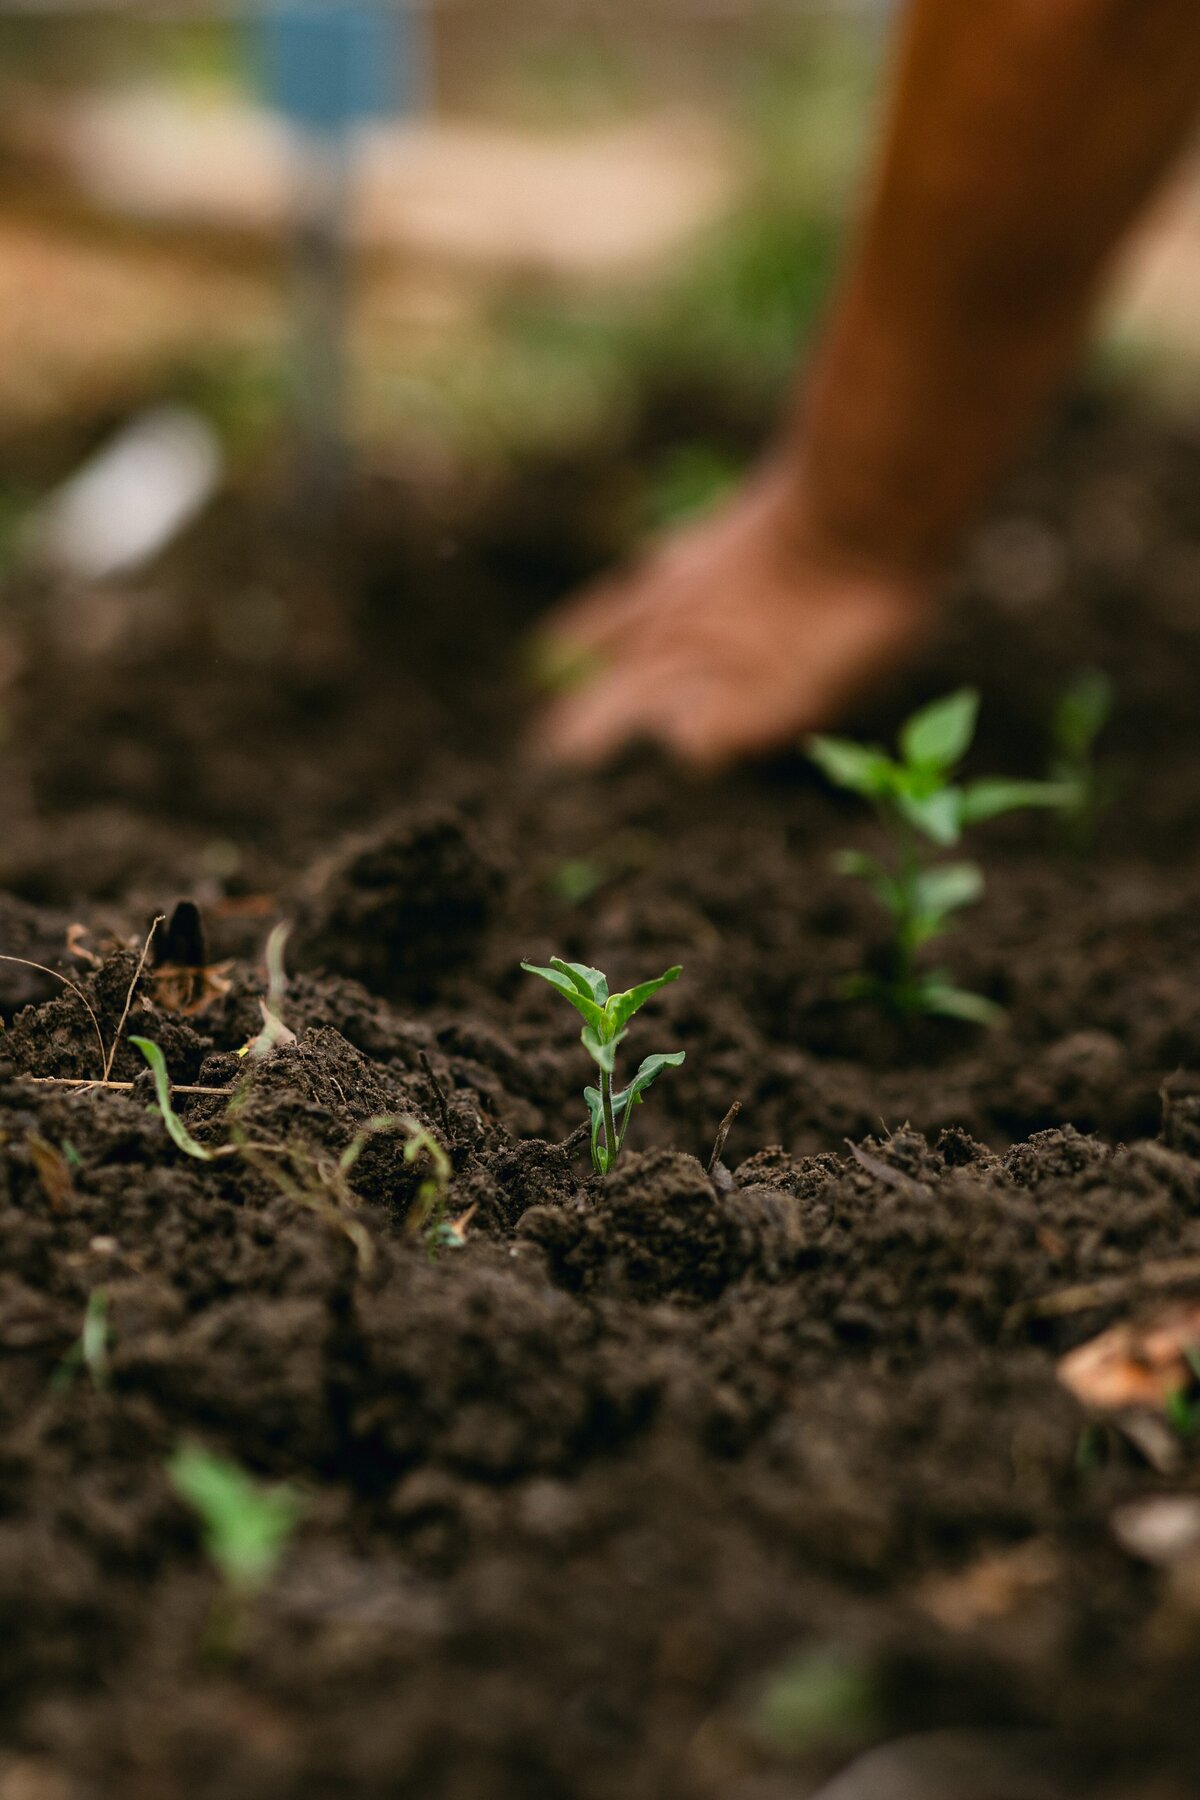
(538, 206)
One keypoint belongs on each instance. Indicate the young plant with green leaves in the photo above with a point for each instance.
(246, 1525)
(606, 1023)
(919, 800)
(245, 1528)
(1082, 711)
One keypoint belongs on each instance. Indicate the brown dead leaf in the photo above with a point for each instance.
(460, 1224)
(53, 1171)
(179, 988)
(990, 1588)
(1138, 1364)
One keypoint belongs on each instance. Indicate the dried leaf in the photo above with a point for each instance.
(459, 1226)
(184, 989)
(53, 1171)
(990, 1588)
(1135, 1364)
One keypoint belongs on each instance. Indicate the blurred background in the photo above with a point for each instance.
(442, 232)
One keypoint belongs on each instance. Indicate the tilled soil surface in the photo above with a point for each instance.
(745, 1483)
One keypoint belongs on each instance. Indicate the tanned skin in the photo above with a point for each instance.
(1022, 137)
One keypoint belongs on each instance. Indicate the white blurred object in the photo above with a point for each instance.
(131, 498)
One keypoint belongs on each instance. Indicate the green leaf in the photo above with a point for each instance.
(988, 799)
(571, 990)
(628, 1098)
(592, 982)
(942, 890)
(180, 1134)
(1082, 712)
(938, 735)
(93, 1339)
(603, 1051)
(862, 768)
(651, 1068)
(623, 1006)
(938, 815)
(246, 1525)
(942, 997)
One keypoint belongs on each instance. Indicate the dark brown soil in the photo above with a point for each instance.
(679, 1487)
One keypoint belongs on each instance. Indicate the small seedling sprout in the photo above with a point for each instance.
(274, 1032)
(576, 879)
(246, 1525)
(1080, 715)
(606, 1020)
(917, 799)
(90, 1349)
(822, 1698)
(179, 1133)
(427, 1214)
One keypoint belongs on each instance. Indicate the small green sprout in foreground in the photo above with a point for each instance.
(90, 1349)
(1083, 710)
(246, 1529)
(917, 800)
(606, 1020)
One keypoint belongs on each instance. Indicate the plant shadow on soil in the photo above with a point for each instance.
(679, 1486)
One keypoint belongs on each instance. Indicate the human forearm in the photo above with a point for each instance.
(1022, 137)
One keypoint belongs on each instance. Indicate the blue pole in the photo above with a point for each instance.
(329, 67)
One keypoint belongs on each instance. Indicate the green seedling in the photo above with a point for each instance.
(428, 1217)
(90, 1349)
(246, 1527)
(576, 879)
(274, 1032)
(178, 1131)
(1080, 715)
(918, 800)
(820, 1699)
(606, 1020)
(310, 1179)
